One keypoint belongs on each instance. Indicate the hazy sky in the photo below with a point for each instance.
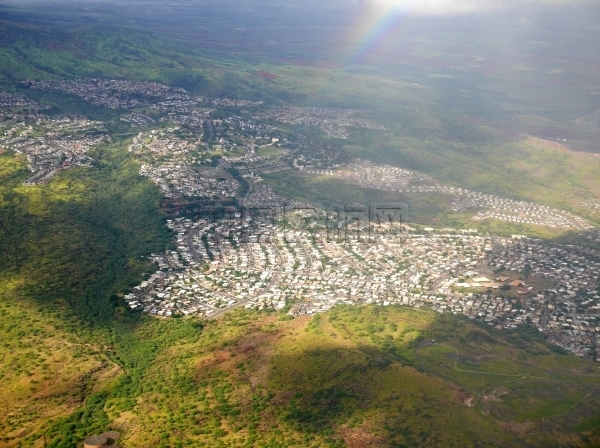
(410, 7)
(453, 7)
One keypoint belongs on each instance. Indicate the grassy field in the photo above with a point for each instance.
(357, 376)
(523, 168)
(69, 249)
(431, 209)
(47, 371)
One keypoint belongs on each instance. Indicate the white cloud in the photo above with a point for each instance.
(453, 7)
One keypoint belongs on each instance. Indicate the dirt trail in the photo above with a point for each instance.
(591, 122)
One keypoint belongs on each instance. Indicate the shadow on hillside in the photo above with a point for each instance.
(82, 247)
(432, 380)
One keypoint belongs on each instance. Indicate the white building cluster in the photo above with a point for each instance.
(14, 99)
(568, 311)
(51, 144)
(333, 122)
(125, 94)
(220, 266)
(138, 120)
(594, 205)
(488, 206)
(173, 164)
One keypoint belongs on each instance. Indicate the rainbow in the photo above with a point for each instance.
(366, 40)
(372, 33)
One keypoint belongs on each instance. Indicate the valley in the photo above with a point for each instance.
(313, 225)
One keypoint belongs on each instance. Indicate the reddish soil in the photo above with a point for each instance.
(360, 438)
(315, 64)
(266, 75)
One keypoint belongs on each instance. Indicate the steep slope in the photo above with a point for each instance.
(360, 376)
(68, 249)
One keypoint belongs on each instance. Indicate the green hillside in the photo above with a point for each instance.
(68, 250)
(75, 361)
(420, 134)
(81, 237)
(356, 376)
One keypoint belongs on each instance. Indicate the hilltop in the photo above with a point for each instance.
(356, 376)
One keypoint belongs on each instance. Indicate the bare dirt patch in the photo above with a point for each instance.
(518, 428)
(360, 438)
(313, 63)
(266, 75)
(545, 143)
(253, 349)
(462, 396)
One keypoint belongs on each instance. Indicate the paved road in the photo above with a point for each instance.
(483, 265)
(591, 122)
(190, 242)
(272, 283)
(210, 132)
(306, 256)
(274, 280)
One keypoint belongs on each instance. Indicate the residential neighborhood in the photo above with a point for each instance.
(173, 164)
(248, 246)
(14, 99)
(218, 266)
(126, 94)
(488, 206)
(138, 120)
(333, 122)
(595, 205)
(51, 144)
(279, 253)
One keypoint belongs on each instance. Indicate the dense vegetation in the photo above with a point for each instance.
(81, 237)
(353, 377)
(69, 250)
(74, 361)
